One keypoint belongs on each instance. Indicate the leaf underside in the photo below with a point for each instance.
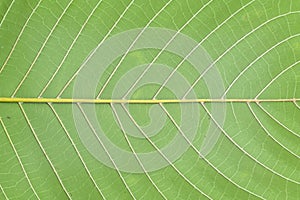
(255, 46)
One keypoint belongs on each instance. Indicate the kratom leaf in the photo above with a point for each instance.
(136, 99)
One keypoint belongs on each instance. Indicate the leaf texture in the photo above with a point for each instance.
(253, 149)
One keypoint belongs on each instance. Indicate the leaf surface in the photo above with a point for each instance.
(253, 45)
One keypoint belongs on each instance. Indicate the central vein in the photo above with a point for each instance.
(138, 101)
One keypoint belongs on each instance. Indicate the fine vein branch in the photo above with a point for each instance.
(138, 101)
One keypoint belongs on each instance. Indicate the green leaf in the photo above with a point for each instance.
(237, 137)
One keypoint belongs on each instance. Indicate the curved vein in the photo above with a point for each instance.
(93, 52)
(199, 44)
(276, 77)
(161, 153)
(7, 11)
(44, 152)
(106, 151)
(76, 150)
(70, 48)
(19, 160)
(281, 124)
(42, 48)
(234, 45)
(162, 50)
(203, 157)
(134, 153)
(268, 133)
(245, 152)
(19, 36)
(132, 44)
(255, 60)
(2, 190)
(296, 105)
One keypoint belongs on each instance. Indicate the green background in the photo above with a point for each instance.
(257, 154)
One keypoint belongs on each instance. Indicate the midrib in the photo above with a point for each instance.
(138, 101)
